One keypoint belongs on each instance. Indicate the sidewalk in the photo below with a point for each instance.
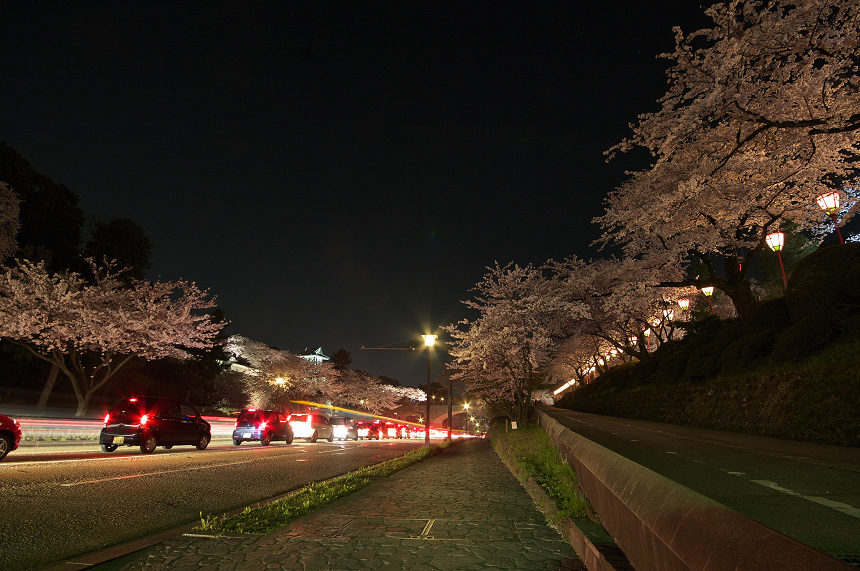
(461, 509)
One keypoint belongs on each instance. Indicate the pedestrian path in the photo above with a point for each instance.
(461, 509)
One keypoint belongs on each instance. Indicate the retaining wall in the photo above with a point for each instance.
(662, 525)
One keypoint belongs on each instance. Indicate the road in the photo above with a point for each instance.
(58, 502)
(806, 491)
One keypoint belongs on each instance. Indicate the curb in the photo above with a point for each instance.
(590, 541)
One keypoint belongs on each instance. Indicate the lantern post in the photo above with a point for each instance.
(775, 242)
(829, 203)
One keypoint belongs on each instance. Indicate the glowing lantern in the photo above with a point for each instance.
(709, 291)
(684, 304)
(829, 203)
(776, 241)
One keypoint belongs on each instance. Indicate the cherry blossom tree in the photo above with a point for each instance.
(275, 376)
(91, 329)
(762, 115)
(499, 354)
(10, 205)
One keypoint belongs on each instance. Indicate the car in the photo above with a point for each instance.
(311, 427)
(150, 422)
(262, 425)
(10, 435)
(368, 429)
(344, 427)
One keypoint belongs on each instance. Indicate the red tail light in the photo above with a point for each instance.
(107, 419)
(144, 419)
(263, 425)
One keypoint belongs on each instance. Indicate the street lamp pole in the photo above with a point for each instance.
(429, 341)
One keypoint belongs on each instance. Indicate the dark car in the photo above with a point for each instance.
(153, 421)
(10, 435)
(262, 425)
(344, 427)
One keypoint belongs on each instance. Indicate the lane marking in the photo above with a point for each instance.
(153, 474)
(839, 506)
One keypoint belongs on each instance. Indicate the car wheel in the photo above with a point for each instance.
(331, 438)
(203, 442)
(289, 437)
(149, 445)
(109, 447)
(265, 439)
(5, 446)
(237, 441)
(313, 437)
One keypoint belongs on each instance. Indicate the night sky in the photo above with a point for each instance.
(339, 174)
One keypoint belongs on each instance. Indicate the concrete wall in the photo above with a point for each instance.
(662, 525)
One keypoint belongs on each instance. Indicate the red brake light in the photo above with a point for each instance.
(132, 400)
(289, 417)
(263, 425)
(252, 410)
(144, 419)
(107, 419)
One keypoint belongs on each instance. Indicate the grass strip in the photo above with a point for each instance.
(277, 514)
(531, 450)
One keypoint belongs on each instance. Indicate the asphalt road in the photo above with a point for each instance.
(58, 502)
(806, 491)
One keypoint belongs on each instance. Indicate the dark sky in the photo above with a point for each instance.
(339, 174)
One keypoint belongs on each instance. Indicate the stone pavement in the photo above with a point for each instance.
(461, 509)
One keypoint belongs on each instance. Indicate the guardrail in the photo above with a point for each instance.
(660, 524)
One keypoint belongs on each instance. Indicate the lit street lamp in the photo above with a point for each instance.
(709, 291)
(429, 342)
(829, 203)
(775, 242)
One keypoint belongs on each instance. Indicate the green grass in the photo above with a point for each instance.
(277, 514)
(532, 451)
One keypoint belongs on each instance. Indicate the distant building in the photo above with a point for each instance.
(316, 356)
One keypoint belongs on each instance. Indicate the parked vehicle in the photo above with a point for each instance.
(10, 435)
(262, 425)
(149, 422)
(344, 427)
(311, 427)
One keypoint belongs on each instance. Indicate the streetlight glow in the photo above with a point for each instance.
(429, 340)
(684, 303)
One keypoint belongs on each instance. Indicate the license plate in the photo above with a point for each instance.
(246, 435)
(118, 439)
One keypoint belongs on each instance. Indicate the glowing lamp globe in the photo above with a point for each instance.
(684, 304)
(775, 241)
(708, 291)
(828, 202)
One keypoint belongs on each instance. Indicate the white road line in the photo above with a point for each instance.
(153, 473)
(839, 506)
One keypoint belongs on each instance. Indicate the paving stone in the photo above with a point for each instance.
(461, 509)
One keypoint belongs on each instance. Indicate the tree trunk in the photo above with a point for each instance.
(49, 386)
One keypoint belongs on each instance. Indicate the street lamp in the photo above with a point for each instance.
(429, 342)
(647, 334)
(684, 304)
(829, 203)
(709, 291)
(775, 242)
